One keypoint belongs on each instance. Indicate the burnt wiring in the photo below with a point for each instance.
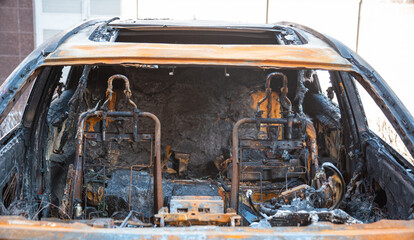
(74, 107)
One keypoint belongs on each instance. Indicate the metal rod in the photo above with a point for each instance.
(269, 89)
(313, 150)
(77, 189)
(267, 11)
(158, 195)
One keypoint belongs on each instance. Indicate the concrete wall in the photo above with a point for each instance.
(16, 34)
(387, 43)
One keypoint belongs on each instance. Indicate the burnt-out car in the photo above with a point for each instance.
(156, 129)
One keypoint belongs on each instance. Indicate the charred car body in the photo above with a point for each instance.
(143, 124)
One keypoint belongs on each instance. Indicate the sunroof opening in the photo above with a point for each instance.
(198, 36)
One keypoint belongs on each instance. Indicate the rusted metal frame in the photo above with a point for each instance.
(383, 163)
(263, 167)
(284, 101)
(112, 137)
(354, 101)
(269, 89)
(267, 97)
(392, 177)
(128, 94)
(295, 174)
(300, 56)
(342, 190)
(292, 144)
(65, 203)
(269, 167)
(44, 171)
(37, 182)
(74, 105)
(351, 139)
(33, 108)
(190, 26)
(301, 90)
(77, 190)
(396, 113)
(138, 166)
(100, 33)
(313, 152)
(357, 113)
(125, 221)
(109, 91)
(235, 179)
(392, 107)
(287, 105)
(103, 166)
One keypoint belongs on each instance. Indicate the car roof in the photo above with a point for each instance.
(85, 48)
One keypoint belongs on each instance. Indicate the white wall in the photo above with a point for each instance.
(216, 10)
(387, 43)
(335, 18)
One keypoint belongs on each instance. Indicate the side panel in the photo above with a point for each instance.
(12, 154)
(397, 182)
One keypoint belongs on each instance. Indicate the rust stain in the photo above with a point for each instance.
(289, 56)
(257, 197)
(313, 148)
(275, 112)
(92, 121)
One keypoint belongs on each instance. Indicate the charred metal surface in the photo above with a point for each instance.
(303, 205)
(103, 33)
(235, 179)
(105, 115)
(289, 119)
(396, 183)
(12, 165)
(305, 218)
(350, 155)
(228, 145)
(319, 107)
(197, 117)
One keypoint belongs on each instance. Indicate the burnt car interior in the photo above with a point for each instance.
(154, 145)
